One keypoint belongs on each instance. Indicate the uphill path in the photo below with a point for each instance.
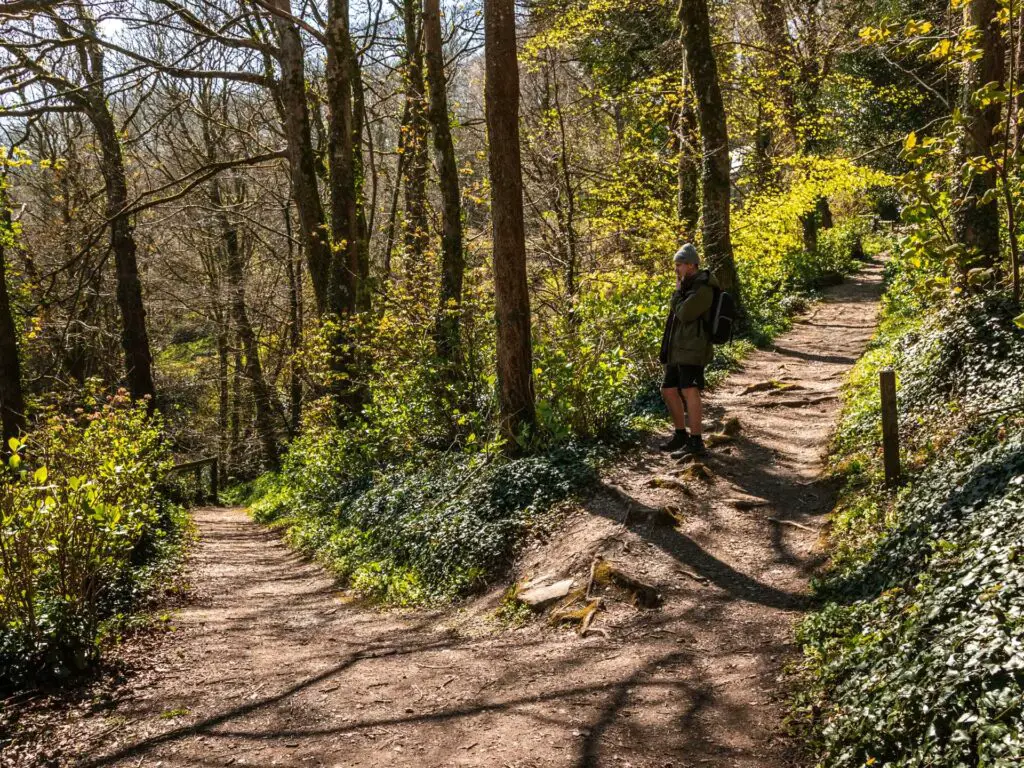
(268, 666)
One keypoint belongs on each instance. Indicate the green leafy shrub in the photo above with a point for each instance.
(428, 530)
(772, 261)
(591, 365)
(413, 532)
(917, 658)
(82, 531)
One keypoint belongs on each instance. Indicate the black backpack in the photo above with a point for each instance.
(721, 317)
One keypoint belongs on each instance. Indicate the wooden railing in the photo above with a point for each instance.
(197, 467)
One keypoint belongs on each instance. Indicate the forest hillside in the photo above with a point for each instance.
(393, 278)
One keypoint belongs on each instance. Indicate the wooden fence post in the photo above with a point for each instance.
(196, 467)
(890, 427)
(214, 482)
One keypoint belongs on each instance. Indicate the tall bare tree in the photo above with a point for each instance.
(68, 60)
(415, 149)
(512, 297)
(715, 182)
(976, 223)
(12, 399)
(452, 258)
(688, 168)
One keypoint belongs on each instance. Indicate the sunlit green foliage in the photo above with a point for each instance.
(430, 529)
(83, 533)
(768, 241)
(915, 658)
(380, 499)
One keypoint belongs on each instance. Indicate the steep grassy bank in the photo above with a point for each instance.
(917, 656)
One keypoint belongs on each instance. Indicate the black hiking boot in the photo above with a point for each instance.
(694, 447)
(678, 441)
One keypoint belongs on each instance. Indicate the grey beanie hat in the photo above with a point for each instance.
(687, 254)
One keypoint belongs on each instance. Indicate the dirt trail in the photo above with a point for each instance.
(268, 667)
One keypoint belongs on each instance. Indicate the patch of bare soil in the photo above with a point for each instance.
(271, 667)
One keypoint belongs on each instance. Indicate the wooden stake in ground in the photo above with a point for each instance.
(890, 427)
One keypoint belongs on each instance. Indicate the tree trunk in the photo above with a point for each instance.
(824, 213)
(771, 17)
(688, 169)
(716, 186)
(512, 298)
(294, 327)
(212, 261)
(1016, 56)
(12, 399)
(976, 224)
(417, 233)
(301, 158)
(134, 338)
(566, 213)
(332, 248)
(452, 260)
(343, 287)
(223, 396)
(364, 294)
(235, 271)
(235, 426)
(762, 170)
(396, 191)
(341, 154)
(809, 227)
(92, 99)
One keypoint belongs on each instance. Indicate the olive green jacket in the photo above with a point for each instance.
(685, 340)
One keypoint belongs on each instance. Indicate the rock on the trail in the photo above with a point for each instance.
(541, 595)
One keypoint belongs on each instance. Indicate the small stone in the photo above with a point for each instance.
(538, 597)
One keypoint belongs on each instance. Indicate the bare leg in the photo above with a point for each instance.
(693, 407)
(675, 406)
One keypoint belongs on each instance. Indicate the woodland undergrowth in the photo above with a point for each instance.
(419, 502)
(89, 539)
(916, 657)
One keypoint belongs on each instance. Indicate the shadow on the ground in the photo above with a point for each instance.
(815, 358)
(671, 676)
(688, 552)
(749, 467)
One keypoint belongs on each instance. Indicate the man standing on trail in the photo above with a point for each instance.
(686, 349)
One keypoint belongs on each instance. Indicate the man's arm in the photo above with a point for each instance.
(695, 305)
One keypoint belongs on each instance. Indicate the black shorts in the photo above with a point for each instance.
(683, 377)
